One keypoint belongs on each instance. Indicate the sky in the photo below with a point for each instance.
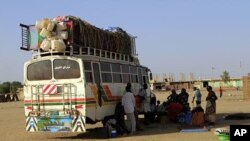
(173, 36)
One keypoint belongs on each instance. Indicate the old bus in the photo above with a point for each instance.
(66, 90)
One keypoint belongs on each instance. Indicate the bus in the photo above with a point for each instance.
(64, 91)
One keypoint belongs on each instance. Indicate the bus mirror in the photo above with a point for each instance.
(150, 76)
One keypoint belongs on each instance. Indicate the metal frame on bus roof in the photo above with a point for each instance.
(88, 53)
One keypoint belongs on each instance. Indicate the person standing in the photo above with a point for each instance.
(221, 91)
(173, 97)
(197, 95)
(145, 103)
(128, 102)
(183, 99)
(211, 105)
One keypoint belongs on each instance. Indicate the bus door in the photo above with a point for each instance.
(98, 95)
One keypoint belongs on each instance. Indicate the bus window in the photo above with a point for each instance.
(105, 67)
(126, 78)
(145, 79)
(88, 76)
(125, 69)
(133, 70)
(66, 69)
(144, 71)
(140, 76)
(106, 72)
(87, 66)
(106, 77)
(145, 75)
(40, 71)
(125, 74)
(117, 77)
(116, 69)
(88, 72)
(134, 79)
(96, 73)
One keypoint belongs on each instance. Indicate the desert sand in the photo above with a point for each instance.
(12, 123)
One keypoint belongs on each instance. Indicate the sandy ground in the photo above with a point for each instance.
(12, 123)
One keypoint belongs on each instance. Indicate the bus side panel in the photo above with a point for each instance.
(111, 95)
(91, 99)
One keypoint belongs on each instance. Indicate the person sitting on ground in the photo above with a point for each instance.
(173, 110)
(198, 115)
(161, 110)
(119, 116)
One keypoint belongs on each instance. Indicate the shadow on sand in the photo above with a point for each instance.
(156, 129)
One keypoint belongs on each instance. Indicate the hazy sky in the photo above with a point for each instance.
(174, 36)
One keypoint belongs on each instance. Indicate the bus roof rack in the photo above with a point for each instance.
(76, 50)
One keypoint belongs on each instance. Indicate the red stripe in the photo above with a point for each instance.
(29, 108)
(79, 106)
(59, 100)
(52, 89)
(45, 87)
(107, 91)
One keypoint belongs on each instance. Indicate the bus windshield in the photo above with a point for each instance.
(62, 69)
(66, 69)
(39, 71)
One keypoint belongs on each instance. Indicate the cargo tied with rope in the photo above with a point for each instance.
(63, 31)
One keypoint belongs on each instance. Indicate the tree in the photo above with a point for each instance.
(7, 87)
(15, 85)
(225, 76)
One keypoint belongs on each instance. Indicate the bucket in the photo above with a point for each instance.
(188, 118)
(113, 133)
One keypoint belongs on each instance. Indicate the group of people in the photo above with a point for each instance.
(132, 104)
(175, 104)
(138, 103)
(210, 111)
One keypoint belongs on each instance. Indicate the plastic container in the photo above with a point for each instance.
(188, 118)
(113, 133)
(45, 22)
(58, 45)
(39, 25)
(181, 118)
(223, 137)
(45, 33)
(45, 45)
